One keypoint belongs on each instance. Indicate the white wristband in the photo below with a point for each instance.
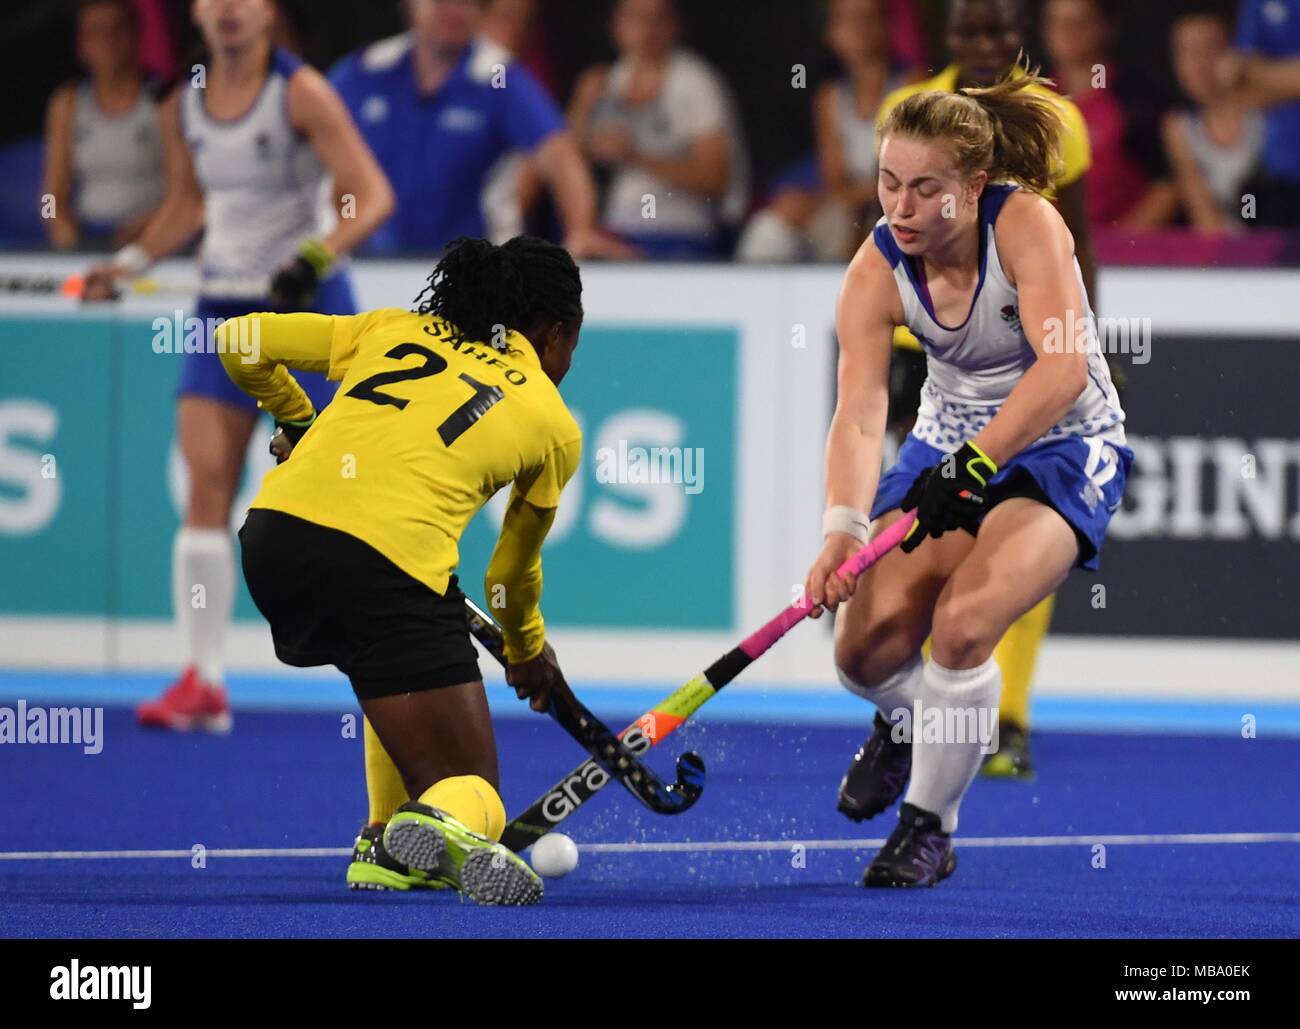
(132, 259)
(846, 519)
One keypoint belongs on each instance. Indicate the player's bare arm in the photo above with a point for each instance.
(1038, 260)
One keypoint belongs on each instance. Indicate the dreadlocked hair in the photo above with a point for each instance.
(479, 288)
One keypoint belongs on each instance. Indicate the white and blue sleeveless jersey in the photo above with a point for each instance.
(972, 367)
(117, 160)
(265, 188)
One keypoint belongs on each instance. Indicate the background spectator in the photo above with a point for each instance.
(908, 45)
(750, 53)
(104, 153)
(516, 189)
(1127, 185)
(661, 123)
(823, 207)
(1266, 72)
(158, 55)
(516, 25)
(1213, 147)
(426, 102)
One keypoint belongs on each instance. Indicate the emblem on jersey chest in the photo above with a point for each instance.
(1011, 315)
(460, 119)
(262, 144)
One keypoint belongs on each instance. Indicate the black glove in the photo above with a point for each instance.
(287, 436)
(949, 495)
(294, 285)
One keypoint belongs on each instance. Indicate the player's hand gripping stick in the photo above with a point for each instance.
(606, 749)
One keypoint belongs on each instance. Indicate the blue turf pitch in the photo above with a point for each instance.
(292, 780)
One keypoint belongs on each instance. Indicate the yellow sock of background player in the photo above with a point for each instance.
(383, 782)
(471, 800)
(1016, 655)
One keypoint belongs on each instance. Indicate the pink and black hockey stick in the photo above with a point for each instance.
(575, 789)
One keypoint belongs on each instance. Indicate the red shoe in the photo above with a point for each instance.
(189, 704)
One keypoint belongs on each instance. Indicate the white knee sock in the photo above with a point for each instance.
(946, 757)
(203, 596)
(893, 696)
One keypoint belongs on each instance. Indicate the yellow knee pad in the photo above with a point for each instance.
(471, 800)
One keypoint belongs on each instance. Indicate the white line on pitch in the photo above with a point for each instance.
(1162, 839)
(972, 841)
(97, 855)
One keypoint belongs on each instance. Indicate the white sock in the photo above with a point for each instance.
(769, 237)
(893, 697)
(945, 760)
(203, 596)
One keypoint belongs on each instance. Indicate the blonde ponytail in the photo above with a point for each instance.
(1005, 130)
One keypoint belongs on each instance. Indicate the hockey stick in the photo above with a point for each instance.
(606, 750)
(72, 286)
(575, 789)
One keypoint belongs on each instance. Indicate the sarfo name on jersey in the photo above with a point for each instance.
(512, 375)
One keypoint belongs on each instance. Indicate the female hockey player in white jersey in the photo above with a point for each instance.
(265, 159)
(1015, 464)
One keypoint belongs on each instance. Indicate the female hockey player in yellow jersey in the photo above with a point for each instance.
(350, 548)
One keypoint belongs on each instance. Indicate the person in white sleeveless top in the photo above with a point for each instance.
(103, 142)
(820, 206)
(263, 156)
(1214, 146)
(664, 126)
(1014, 467)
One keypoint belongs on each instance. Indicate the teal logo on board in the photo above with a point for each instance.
(648, 545)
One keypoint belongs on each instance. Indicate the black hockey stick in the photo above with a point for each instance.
(605, 748)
